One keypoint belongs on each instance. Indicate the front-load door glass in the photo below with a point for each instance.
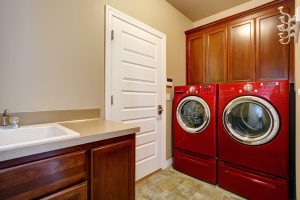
(251, 120)
(193, 114)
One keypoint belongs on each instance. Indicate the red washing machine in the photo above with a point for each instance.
(253, 139)
(194, 131)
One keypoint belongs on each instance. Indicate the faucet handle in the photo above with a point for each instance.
(5, 113)
(15, 121)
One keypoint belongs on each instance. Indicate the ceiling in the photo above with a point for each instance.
(199, 9)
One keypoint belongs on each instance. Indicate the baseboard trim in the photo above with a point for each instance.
(147, 176)
(168, 163)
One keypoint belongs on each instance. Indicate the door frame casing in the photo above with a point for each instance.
(109, 14)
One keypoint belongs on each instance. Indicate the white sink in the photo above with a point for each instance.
(34, 135)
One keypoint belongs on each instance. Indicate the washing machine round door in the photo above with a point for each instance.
(251, 120)
(193, 114)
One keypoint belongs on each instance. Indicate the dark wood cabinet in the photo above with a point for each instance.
(216, 56)
(77, 192)
(195, 58)
(241, 51)
(272, 58)
(35, 179)
(98, 170)
(243, 47)
(207, 57)
(113, 171)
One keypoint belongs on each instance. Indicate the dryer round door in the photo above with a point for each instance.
(251, 120)
(193, 114)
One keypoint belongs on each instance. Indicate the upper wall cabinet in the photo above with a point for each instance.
(195, 58)
(272, 58)
(216, 56)
(241, 51)
(244, 47)
(207, 56)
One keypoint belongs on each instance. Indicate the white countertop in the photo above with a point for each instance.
(91, 130)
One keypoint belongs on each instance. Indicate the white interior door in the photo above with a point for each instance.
(137, 88)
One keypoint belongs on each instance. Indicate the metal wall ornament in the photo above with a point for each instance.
(289, 27)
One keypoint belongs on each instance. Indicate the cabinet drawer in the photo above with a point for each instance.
(77, 192)
(34, 179)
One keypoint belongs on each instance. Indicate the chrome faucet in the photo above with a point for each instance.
(9, 122)
(5, 118)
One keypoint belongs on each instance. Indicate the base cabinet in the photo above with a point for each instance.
(112, 175)
(100, 170)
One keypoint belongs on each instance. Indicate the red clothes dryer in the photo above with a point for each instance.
(253, 138)
(194, 130)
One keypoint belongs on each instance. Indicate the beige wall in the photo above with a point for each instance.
(52, 51)
(297, 85)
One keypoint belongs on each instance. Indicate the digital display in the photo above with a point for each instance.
(204, 86)
(269, 83)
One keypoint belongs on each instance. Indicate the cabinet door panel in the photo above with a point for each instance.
(216, 56)
(241, 56)
(195, 59)
(113, 171)
(271, 56)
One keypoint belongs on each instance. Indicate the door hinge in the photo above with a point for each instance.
(112, 100)
(112, 35)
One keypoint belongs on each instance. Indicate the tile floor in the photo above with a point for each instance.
(170, 184)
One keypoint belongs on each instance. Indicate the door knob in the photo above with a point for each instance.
(160, 109)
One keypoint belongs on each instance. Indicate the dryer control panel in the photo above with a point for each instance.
(199, 89)
(205, 89)
(277, 87)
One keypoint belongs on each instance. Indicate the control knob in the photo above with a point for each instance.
(248, 87)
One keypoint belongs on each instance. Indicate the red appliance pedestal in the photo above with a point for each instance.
(196, 166)
(251, 185)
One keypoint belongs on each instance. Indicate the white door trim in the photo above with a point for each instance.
(110, 12)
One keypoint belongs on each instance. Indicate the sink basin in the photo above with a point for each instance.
(34, 135)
